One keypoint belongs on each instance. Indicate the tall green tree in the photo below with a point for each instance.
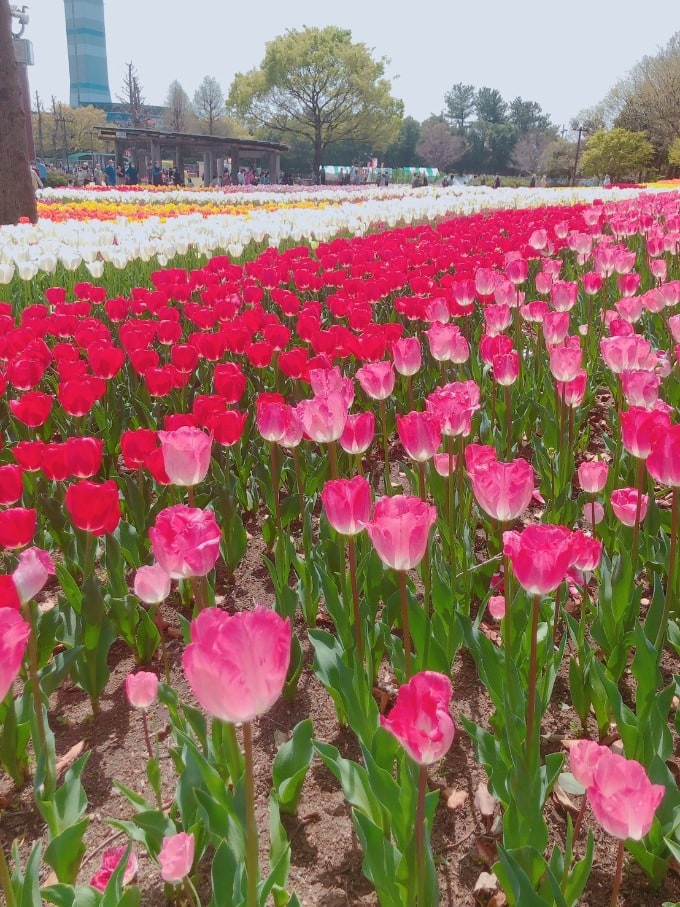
(402, 152)
(620, 153)
(178, 113)
(318, 85)
(17, 198)
(490, 106)
(460, 105)
(528, 116)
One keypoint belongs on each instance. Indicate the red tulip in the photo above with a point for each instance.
(14, 633)
(83, 456)
(420, 718)
(32, 408)
(17, 526)
(105, 359)
(229, 381)
(347, 503)
(399, 530)
(227, 427)
(236, 664)
(11, 483)
(185, 541)
(94, 506)
(136, 445)
(9, 594)
(540, 556)
(28, 454)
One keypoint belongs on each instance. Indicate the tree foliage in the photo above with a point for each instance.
(178, 115)
(439, 147)
(460, 104)
(317, 85)
(65, 130)
(674, 153)
(17, 198)
(131, 97)
(402, 152)
(209, 105)
(619, 152)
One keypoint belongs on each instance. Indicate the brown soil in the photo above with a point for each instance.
(326, 855)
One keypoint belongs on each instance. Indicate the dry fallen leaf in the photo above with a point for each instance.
(456, 798)
(485, 886)
(498, 900)
(485, 803)
(486, 851)
(70, 757)
(563, 800)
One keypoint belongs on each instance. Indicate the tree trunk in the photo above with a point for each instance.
(17, 198)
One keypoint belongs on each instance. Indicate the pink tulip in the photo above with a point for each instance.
(110, 861)
(503, 490)
(443, 464)
(14, 633)
(497, 318)
(506, 368)
(586, 552)
(663, 463)
(32, 572)
(593, 513)
(454, 405)
(555, 327)
(622, 797)
(152, 584)
(420, 435)
(323, 417)
(141, 689)
(347, 503)
(639, 426)
(540, 556)
(272, 417)
(358, 433)
(447, 344)
(624, 503)
(573, 392)
(563, 295)
(584, 756)
(420, 718)
(377, 379)
(640, 387)
(407, 356)
(592, 475)
(399, 530)
(565, 362)
(185, 541)
(186, 455)
(236, 664)
(176, 857)
(628, 352)
(479, 457)
(324, 381)
(497, 607)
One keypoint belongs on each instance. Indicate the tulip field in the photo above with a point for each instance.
(340, 555)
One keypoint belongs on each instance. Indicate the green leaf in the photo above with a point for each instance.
(381, 861)
(226, 874)
(355, 783)
(65, 852)
(291, 765)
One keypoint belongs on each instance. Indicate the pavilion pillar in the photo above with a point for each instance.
(220, 168)
(274, 167)
(235, 165)
(207, 163)
(120, 151)
(179, 162)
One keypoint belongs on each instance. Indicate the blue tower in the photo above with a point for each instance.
(86, 39)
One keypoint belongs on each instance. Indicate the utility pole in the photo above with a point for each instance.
(39, 114)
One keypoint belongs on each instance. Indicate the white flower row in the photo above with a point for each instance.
(29, 249)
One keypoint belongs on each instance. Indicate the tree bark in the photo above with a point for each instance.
(17, 198)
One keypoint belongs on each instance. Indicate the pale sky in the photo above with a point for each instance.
(565, 56)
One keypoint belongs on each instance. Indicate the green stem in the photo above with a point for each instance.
(300, 485)
(451, 509)
(420, 836)
(191, 893)
(386, 447)
(37, 697)
(531, 701)
(508, 420)
(639, 484)
(252, 858)
(198, 597)
(6, 880)
(275, 482)
(404, 622)
(358, 635)
(333, 457)
(670, 580)
(617, 876)
(160, 626)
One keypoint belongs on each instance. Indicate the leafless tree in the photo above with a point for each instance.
(439, 147)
